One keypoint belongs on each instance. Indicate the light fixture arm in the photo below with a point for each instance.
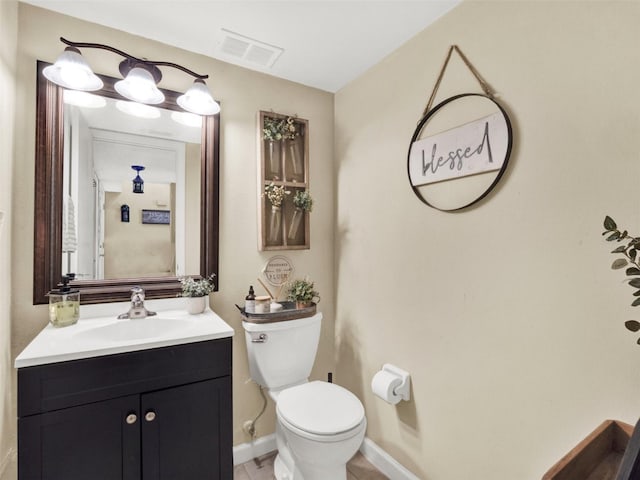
(131, 59)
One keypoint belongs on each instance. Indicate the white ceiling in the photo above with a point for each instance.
(326, 43)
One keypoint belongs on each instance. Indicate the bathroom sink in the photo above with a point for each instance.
(138, 329)
(99, 332)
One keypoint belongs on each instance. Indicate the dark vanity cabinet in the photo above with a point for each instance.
(159, 414)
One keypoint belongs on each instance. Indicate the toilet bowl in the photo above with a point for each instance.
(320, 425)
(323, 426)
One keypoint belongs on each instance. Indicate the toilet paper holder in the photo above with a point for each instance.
(404, 389)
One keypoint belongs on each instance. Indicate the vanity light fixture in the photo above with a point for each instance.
(140, 78)
(138, 182)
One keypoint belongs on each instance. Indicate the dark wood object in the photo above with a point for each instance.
(161, 413)
(47, 246)
(630, 464)
(597, 457)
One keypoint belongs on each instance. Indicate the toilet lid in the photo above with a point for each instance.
(320, 408)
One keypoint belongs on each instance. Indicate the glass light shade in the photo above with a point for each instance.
(140, 86)
(71, 71)
(137, 109)
(198, 99)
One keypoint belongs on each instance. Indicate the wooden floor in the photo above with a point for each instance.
(358, 468)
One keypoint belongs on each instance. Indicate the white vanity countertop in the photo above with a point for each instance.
(99, 332)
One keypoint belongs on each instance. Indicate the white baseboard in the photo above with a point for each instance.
(384, 462)
(248, 451)
(380, 459)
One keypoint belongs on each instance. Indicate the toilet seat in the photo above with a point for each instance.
(320, 411)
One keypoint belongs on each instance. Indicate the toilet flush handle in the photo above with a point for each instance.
(262, 338)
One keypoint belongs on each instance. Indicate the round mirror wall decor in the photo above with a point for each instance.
(459, 151)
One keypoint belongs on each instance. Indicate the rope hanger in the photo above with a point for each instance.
(486, 88)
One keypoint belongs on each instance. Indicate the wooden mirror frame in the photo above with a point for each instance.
(47, 245)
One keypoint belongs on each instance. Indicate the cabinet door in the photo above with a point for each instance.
(186, 432)
(92, 441)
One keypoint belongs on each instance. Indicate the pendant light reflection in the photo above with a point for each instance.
(137, 109)
(187, 119)
(198, 99)
(140, 86)
(71, 71)
(138, 182)
(83, 99)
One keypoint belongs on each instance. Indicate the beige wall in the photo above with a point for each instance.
(134, 248)
(8, 48)
(506, 315)
(242, 94)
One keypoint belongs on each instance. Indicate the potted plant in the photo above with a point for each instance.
(302, 292)
(196, 292)
(275, 194)
(629, 253)
(304, 203)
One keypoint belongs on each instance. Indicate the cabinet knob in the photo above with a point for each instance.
(150, 416)
(131, 418)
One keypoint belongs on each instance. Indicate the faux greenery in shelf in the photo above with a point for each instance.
(275, 193)
(629, 258)
(302, 199)
(275, 129)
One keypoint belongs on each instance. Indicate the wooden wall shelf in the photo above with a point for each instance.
(283, 163)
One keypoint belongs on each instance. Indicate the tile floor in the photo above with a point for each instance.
(358, 468)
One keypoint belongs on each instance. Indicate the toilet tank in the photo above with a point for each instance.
(285, 354)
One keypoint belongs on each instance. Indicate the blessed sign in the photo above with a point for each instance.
(476, 147)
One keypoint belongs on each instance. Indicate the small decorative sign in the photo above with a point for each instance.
(476, 147)
(162, 217)
(278, 270)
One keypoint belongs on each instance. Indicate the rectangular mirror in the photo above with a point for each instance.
(88, 220)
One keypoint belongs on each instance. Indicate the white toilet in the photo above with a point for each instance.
(320, 425)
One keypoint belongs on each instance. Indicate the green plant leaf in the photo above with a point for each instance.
(635, 283)
(632, 325)
(632, 271)
(632, 254)
(619, 263)
(636, 302)
(613, 236)
(609, 224)
(636, 293)
(620, 249)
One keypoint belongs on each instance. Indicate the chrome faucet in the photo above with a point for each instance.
(137, 309)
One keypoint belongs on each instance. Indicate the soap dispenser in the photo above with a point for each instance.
(250, 301)
(64, 303)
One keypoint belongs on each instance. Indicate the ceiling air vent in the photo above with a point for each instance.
(247, 50)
